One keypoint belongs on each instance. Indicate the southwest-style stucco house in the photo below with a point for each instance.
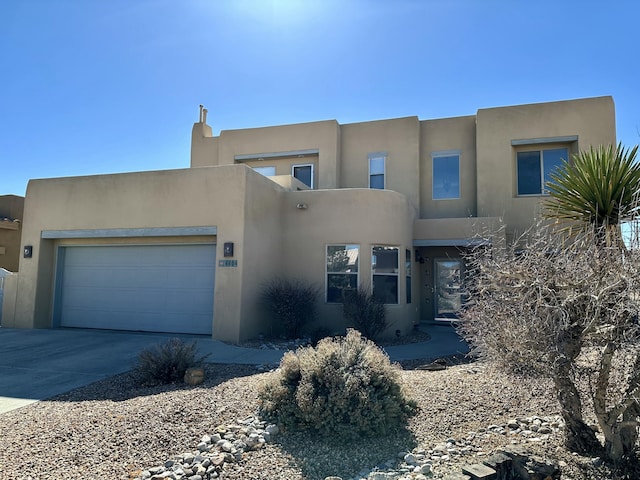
(386, 204)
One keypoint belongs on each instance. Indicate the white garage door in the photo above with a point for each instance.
(153, 288)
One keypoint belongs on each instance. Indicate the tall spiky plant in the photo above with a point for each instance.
(597, 189)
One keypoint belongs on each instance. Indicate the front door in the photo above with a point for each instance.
(447, 288)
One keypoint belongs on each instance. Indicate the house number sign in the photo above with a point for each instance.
(227, 263)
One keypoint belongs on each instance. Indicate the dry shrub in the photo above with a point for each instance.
(167, 362)
(565, 308)
(291, 304)
(365, 312)
(344, 388)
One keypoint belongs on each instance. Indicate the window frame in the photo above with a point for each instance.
(439, 155)
(327, 272)
(395, 274)
(300, 165)
(539, 149)
(378, 156)
(407, 275)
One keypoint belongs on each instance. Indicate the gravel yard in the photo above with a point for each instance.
(114, 429)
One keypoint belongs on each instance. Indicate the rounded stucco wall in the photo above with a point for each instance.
(314, 219)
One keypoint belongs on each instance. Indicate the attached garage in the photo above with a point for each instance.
(152, 288)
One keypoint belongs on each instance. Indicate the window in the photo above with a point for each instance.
(376, 170)
(266, 171)
(446, 175)
(304, 173)
(342, 271)
(534, 168)
(407, 272)
(384, 266)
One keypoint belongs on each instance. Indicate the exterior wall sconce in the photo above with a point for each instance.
(301, 206)
(28, 251)
(228, 249)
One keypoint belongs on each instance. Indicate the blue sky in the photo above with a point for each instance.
(104, 86)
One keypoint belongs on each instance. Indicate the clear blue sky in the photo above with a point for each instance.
(104, 86)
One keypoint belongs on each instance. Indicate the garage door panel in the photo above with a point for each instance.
(170, 323)
(126, 277)
(138, 277)
(150, 300)
(165, 288)
(200, 301)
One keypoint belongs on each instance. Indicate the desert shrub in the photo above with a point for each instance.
(365, 312)
(345, 387)
(291, 304)
(167, 362)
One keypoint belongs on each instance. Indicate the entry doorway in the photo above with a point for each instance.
(447, 288)
(441, 271)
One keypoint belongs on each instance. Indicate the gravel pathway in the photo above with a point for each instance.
(115, 429)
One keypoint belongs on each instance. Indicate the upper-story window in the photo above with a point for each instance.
(266, 171)
(304, 173)
(446, 175)
(377, 170)
(535, 166)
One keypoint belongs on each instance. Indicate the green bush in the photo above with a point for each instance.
(291, 304)
(344, 388)
(167, 362)
(365, 312)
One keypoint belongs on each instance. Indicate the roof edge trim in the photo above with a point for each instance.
(130, 232)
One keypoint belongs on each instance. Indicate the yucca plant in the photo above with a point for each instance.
(597, 189)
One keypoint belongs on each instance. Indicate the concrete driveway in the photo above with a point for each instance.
(38, 364)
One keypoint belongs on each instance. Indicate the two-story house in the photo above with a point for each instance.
(389, 205)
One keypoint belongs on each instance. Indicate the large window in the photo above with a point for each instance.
(266, 171)
(446, 175)
(377, 170)
(304, 173)
(384, 266)
(342, 271)
(534, 168)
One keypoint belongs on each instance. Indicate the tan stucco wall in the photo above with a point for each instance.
(444, 229)
(271, 235)
(592, 119)
(347, 216)
(399, 138)
(288, 182)
(204, 146)
(261, 249)
(448, 134)
(323, 136)
(214, 196)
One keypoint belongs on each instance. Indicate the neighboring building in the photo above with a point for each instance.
(11, 209)
(388, 205)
